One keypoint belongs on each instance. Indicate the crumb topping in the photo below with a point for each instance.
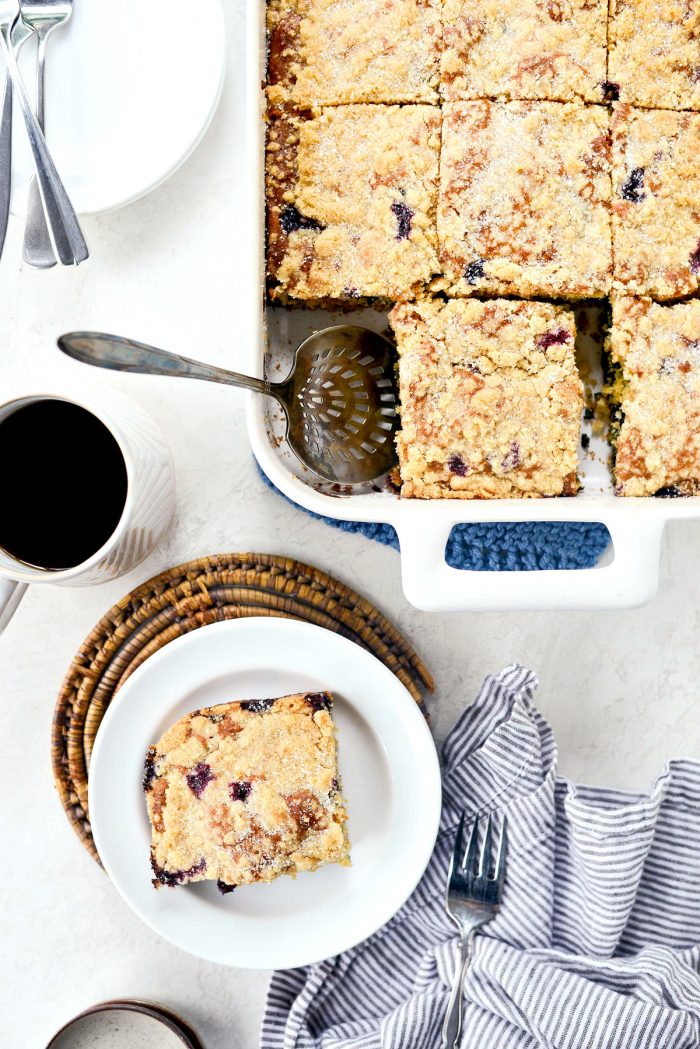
(332, 52)
(524, 199)
(551, 49)
(352, 194)
(491, 399)
(656, 187)
(246, 805)
(654, 54)
(656, 351)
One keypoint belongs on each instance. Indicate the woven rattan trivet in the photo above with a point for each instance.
(228, 586)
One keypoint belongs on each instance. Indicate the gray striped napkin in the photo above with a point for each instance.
(596, 946)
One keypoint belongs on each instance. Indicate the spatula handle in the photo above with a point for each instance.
(127, 355)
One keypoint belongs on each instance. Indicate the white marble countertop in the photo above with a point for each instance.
(620, 689)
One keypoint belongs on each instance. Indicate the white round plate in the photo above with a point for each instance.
(131, 87)
(390, 778)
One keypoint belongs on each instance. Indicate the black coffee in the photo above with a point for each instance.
(63, 484)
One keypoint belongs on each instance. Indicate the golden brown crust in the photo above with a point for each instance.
(491, 401)
(282, 51)
(524, 199)
(245, 792)
(657, 348)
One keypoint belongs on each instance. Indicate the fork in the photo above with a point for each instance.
(42, 16)
(20, 33)
(66, 235)
(472, 899)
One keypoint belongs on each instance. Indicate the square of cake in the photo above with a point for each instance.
(524, 50)
(333, 52)
(352, 195)
(656, 189)
(524, 199)
(654, 58)
(491, 400)
(246, 791)
(654, 389)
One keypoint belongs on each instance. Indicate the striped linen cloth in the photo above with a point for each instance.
(597, 943)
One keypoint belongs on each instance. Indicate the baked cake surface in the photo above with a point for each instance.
(332, 52)
(245, 792)
(655, 387)
(656, 188)
(524, 50)
(352, 195)
(654, 58)
(491, 401)
(524, 199)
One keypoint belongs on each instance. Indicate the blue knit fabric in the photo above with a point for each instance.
(499, 547)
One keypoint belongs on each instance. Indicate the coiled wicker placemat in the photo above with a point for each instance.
(227, 586)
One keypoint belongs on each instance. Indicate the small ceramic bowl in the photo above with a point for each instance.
(126, 1024)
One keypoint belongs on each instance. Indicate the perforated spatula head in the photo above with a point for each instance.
(342, 404)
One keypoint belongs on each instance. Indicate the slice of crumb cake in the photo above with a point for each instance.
(245, 792)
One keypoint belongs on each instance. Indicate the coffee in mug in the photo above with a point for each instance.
(86, 490)
(64, 484)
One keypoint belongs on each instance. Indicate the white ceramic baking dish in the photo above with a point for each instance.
(626, 577)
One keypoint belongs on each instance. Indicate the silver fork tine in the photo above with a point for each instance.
(485, 858)
(501, 854)
(454, 868)
(469, 858)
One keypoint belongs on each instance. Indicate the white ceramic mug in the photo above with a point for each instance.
(147, 509)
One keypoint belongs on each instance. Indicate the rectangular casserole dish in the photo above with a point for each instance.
(626, 577)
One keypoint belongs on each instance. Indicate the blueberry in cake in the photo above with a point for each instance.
(654, 388)
(656, 187)
(524, 199)
(524, 50)
(491, 401)
(352, 194)
(245, 792)
(332, 52)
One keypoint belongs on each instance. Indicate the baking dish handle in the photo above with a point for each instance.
(629, 580)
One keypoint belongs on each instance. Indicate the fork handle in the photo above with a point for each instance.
(65, 231)
(37, 249)
(5, 158)
(452, 1026)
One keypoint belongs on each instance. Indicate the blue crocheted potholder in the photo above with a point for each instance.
(498, 547)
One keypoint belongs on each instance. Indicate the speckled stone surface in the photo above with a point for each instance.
(619, 689)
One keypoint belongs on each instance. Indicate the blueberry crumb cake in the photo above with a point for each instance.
(524, 199)
(654, 59)
(332, 52)
(654, 388)
(246, 791)
(522, 49)
(491, 401)
(656, 188)
(352, 194)
(476, 166)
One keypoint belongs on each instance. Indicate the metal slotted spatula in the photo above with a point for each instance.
(339, 399)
